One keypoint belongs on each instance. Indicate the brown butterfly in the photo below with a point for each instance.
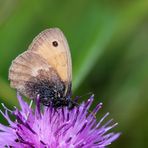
(45, 69)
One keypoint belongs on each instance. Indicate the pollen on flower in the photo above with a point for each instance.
(56, 128)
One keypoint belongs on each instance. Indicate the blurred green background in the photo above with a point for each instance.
(109, 47)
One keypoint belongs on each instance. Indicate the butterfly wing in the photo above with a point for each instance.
(30, 74)
(52, 45)
(46, 63)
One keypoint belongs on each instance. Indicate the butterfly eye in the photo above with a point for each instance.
(55, 43)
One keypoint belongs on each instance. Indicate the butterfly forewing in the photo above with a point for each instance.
(57, 56)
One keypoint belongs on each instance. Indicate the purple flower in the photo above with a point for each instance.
(56, 128)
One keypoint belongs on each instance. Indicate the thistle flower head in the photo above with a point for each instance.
(56, 128)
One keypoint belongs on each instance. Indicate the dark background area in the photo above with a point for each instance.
(109, 47)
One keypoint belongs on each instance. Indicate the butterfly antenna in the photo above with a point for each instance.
(78, 97)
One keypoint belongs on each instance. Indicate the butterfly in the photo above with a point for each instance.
(45, 69)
